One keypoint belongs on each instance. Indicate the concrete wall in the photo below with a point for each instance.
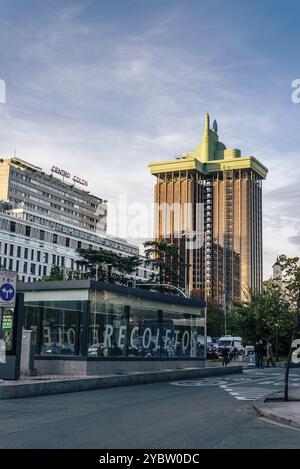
(99, 367)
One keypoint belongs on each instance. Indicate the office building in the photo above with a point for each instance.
(28, 185)
(209, 202)
(44, 220)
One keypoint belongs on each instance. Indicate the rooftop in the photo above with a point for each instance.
(210, 156)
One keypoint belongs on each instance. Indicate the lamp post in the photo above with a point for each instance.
(276, 341)
(184, 235)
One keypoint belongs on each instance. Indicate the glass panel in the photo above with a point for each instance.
(183, 335)
(57, 326)
(120, 331)
(108, 330)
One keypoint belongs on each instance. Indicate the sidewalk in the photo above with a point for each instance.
(43, 385)
(287, 413)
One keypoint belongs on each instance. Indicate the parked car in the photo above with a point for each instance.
(249, 349)
(93, 350)
(232, 343)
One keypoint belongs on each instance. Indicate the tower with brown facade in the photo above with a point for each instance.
(209, 203)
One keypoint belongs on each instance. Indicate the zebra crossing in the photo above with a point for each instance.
(243, 393)
(254, 384)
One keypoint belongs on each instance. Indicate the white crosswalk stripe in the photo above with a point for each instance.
(246, 393)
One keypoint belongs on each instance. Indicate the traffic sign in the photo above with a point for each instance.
(8, 283)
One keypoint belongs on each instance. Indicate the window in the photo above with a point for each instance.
(5, 248)
(27, 230)
(32, 254)
(42, 235)
(54, 238)
(10, 264)
(18, 251)
(44, 270)
(13, 226)
(17, 266)
(46, 257)
(78, 244)
(32, 269)
(4, 263)
(67, 242)
(62, 260)
(25, 253)
(11, 249)
(38, 256)
(40, 270)
(25, 267)
(53, 259)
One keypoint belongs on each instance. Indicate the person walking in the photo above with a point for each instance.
(256, 353)
(260, 354)
(225, 356)
(270, 355)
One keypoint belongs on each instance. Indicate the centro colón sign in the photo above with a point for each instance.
(67, 175)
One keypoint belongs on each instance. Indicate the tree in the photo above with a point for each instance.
(260, 315)
(56, 273)
(126, 265)
(215, 321)
(105, 265)
(166, 259)
(61, 273)
(290, 279)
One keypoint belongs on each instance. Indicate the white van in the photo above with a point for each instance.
(232, 343)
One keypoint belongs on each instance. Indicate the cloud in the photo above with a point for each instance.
(104, 94)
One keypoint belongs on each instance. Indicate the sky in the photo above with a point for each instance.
(103, 87)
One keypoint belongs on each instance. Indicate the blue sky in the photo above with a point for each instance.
(104, 87)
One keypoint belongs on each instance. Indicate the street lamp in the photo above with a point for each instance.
(276, 340)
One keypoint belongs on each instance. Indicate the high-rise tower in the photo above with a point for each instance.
(209, 203)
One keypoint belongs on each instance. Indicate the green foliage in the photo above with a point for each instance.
(260, 316)
(215, 322)
(107, 266)
(290, 279)
(166, 259)
(55, 274)
(60, 273)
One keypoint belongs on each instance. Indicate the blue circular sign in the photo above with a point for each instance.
(7, 292)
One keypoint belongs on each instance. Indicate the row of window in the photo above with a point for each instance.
(66, 240)
(25, 195)
(30, 254)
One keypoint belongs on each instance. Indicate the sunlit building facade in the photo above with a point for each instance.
(209, 203)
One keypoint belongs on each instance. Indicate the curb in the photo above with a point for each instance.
(88, 383)
(262, 412)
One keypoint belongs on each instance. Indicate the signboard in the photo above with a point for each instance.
(67, 175)
(8, 284)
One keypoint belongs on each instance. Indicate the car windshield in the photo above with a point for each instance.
(225, 342)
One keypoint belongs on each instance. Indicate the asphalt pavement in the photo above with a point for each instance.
(202, 413)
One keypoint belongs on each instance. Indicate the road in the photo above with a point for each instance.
(204, 413)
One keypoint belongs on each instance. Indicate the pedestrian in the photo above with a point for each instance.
(256, 353)
(225, 357)
(260, 354)
(270, 355)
